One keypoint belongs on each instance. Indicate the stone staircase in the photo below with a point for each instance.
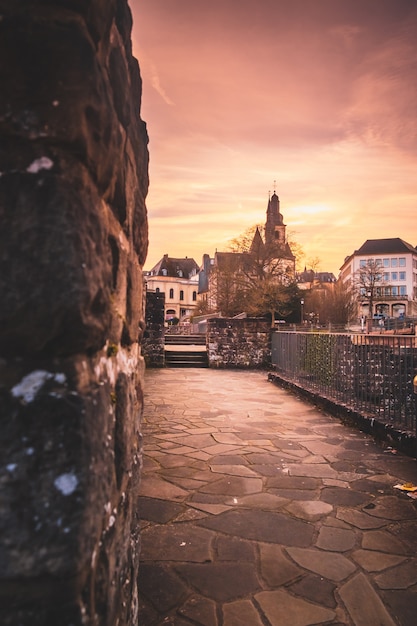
(185, 351)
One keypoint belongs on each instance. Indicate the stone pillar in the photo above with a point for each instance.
(73, 239)
(153, 344)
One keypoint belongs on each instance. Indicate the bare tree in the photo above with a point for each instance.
(262, 260)
(341, 303)
(255, 276)
(367, 279)
(330, 303)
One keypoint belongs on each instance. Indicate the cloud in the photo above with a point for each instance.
(320, 96)
(156, 84)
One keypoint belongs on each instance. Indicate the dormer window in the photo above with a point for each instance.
(164, 272)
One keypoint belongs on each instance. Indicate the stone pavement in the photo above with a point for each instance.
(258, 509)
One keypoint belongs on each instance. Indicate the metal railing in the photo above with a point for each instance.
(370, 374)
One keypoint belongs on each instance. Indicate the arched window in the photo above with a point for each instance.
(194, 296)
(181, 295)
(171, 293)
(157, 290)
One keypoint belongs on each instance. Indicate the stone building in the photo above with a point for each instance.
(269, 255)
(395, 291)
(178, 280)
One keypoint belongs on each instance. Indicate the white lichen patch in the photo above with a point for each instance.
(29, 386)
(43, 163)
(66, 483)
(112, 521)
(108, 367)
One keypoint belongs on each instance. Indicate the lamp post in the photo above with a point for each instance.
(370, 300)
(302, 310)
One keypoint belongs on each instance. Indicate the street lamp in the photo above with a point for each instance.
(302, 311)
(370, 304)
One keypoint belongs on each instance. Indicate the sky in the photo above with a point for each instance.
(317, 95)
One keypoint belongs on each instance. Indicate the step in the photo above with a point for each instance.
(185, 358)
(185, 340)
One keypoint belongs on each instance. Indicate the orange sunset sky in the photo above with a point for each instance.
(319, 95)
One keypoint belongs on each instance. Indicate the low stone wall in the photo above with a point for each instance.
(240, 343)
(73, 240)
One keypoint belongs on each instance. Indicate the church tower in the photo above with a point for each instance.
(274, 226)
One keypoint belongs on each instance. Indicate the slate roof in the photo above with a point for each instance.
(385, 246)
(174, 267)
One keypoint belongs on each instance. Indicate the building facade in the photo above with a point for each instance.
(177, 278)
(393, 293)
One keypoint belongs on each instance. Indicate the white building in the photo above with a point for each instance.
(395, 292)
(178, 280)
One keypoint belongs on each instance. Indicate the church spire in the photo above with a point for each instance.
(274, 226)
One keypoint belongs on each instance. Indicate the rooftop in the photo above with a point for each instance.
(385, 246)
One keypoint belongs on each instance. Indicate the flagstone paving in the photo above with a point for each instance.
(257, 509)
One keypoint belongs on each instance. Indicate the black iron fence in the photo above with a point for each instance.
(370, 374)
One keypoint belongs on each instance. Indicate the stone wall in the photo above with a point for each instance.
(240, 343)
(73, 239)
(153, 344)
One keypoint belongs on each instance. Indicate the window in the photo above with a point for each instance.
(194, 296)
(157, 290)
(171, 293)
(403, 290)
(386, 262)
(386, 277)
(394, 291)
(164, 272)
(401, 261)
(387, 291)
(362, 263)
(394, 275)
(378, 261)
(181, 295)
(402, 276)
(394, 262)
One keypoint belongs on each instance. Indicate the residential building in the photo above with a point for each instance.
(178, 280)
(395, 291)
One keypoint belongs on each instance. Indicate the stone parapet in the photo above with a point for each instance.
(240, 343)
